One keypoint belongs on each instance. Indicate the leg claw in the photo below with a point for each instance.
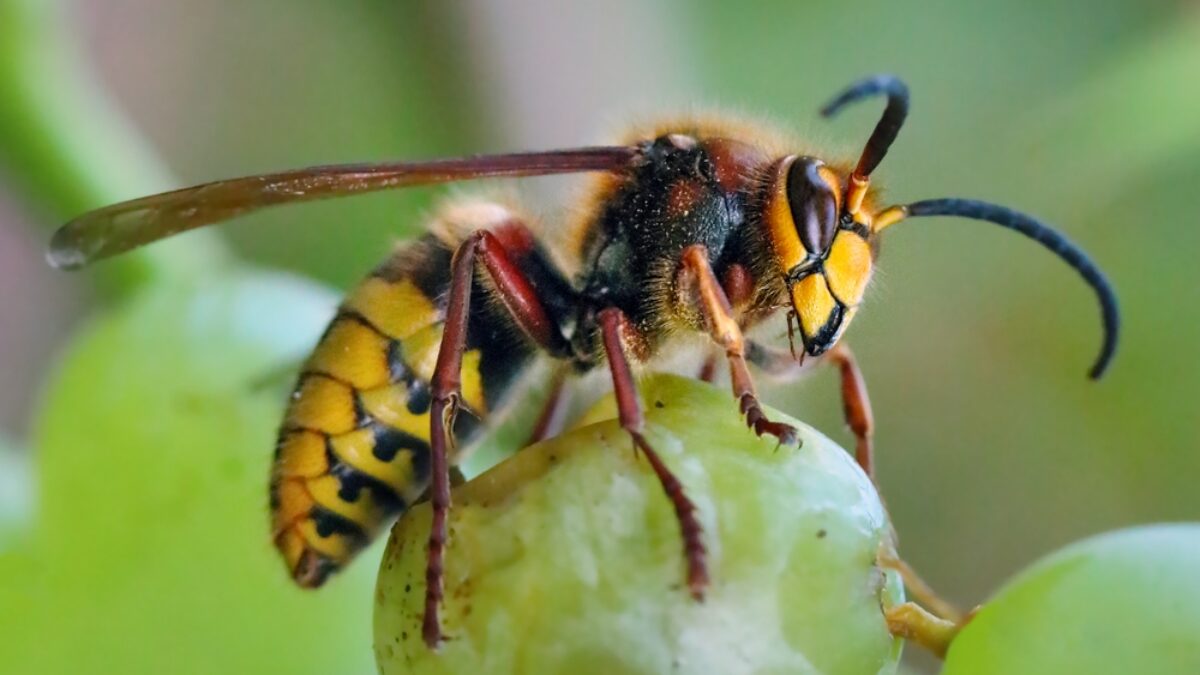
(757, 420)
(785, 433)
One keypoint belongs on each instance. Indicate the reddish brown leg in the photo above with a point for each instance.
(613, 327)
(518, 295)
(725, 331)
(554, 412)
(857, 406)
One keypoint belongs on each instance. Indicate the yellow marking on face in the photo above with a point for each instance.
(356, 448)
(847, 317)
(398, 308)
(363, 510)
(337, 547)
(352, 352)
(781, 228)
(301, 454)
(294, 502)
(421, 351)
(813, 303)
(322, 404)
(390, 406)
(848, 267)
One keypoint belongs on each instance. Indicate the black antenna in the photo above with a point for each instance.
(1051, 239)
(889, 124)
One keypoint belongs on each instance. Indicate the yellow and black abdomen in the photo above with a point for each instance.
(353, 451)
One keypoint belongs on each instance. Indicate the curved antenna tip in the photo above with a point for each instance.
(1100, 367)
(882, 83)
(1052, 240)
(888, 126)
(1109, 349)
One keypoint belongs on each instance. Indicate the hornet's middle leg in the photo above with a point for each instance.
(616, 330)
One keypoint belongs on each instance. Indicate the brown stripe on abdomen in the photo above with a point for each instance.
(354, 448)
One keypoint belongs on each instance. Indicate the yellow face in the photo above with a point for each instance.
(826, 260)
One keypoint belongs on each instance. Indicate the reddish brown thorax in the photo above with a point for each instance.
(733, 162)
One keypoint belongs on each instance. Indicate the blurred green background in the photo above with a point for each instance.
(993, 448)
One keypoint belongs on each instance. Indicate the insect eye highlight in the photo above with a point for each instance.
(813, 205)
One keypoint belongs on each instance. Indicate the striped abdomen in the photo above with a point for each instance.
(353, 451)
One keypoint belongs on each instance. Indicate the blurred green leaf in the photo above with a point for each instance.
(154, 451)
(1136, 114)
(66, 144)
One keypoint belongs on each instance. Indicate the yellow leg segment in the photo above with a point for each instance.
(913, 622)
(932, 628)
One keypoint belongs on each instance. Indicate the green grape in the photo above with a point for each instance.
(153, 543)
(1123, 602)
(566, 558)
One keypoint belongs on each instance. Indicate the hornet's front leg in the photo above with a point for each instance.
(697, 275)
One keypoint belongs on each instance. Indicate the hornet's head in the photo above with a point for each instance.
(825, 253)
(822, 228)
(823, 246)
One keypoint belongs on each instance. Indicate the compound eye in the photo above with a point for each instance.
(813, 204)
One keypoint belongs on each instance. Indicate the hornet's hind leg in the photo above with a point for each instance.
(517, 294)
